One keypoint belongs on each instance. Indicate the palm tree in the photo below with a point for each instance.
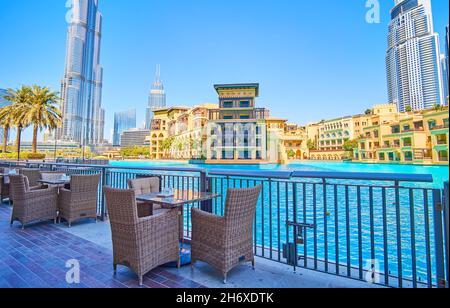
(6, 121)
(42, 111)
(20, 99)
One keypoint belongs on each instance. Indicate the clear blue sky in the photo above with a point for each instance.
(313, 59)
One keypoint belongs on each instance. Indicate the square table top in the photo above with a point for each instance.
(180, 198)
(55, 182)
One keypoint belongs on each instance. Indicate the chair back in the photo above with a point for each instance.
(240, 207)
(121, 206)
(19, 186)
(84, 183)
(33, 175)
(144, 186)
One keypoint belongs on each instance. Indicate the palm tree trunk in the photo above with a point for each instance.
(19, 131)
(5, 139)
(35, 135)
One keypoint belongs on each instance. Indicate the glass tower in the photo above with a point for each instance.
(156, 99)
(123, 121)
(81, 88)
(413, 57)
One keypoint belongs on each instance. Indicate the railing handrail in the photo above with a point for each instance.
(327, 175)
(389, 177)
(286, 175)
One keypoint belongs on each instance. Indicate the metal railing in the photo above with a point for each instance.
(389, 229)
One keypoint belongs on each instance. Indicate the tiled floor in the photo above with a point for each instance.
(37, 256)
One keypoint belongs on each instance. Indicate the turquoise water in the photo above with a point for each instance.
(368, 237)
(440, 173)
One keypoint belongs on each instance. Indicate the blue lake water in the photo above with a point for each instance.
(440, 173)
(345, 232)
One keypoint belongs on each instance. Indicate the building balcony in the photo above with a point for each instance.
(233, 115)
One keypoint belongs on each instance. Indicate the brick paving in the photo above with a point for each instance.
(36, 258)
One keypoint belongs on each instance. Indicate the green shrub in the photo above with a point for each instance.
(35, 156)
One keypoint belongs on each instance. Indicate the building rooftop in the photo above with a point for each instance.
(255, 86)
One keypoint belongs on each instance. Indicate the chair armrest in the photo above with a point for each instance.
(42, 192)
(41, 187)
(211, 228)
(162, 227)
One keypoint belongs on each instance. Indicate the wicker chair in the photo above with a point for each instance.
(4, 186)
(140, 244)
(33, 175)
(143, 186)
(80, 201)
(32, 204)
(4, 189)
(224, 242)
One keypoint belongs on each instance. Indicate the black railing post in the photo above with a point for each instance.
(446, 222)
(205, 186)
(104, 182)
(439, 238)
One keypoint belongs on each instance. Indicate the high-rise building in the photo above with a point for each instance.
(448, 65)
(3, 103)
(412, 61)
(444, 73)
(123, 121)
(81, 89)
(156, 99)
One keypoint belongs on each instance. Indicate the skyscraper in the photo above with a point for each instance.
(448, 65)
(123, 121)
(81, 89)
(444, 73)
(412, 61)
(156, 99)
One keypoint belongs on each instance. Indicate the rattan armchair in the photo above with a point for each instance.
(224, 242)
(4, 185)
(30, 203)
(141, 244)
(80, 200)
(4, 189)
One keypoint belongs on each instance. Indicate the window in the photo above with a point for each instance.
(396, 129)
(227, 104)
(244, 104)
(382, 156)
(228, 117)
(408, 156)
(431, 124)
(244, 117)
(407, 142)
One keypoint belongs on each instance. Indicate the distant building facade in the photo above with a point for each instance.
(156, 99)
(135, 137)
(419, 137)
(237, 132)
(413, 57)
(81, 88)
(123, 121)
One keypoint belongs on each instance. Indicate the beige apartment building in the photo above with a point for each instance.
(161, 126)
(412, 138)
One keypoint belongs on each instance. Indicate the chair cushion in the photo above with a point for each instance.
(145, 185)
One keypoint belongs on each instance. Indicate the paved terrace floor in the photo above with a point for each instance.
(37, 256)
